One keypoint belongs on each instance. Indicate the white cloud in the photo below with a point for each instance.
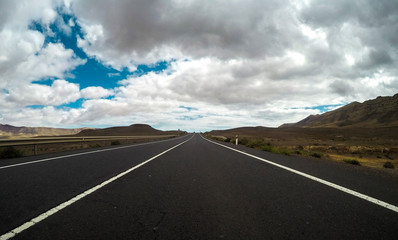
(15, 47)
(60, 92)
(52, 61)
(24, 58)
(237, 62)
(95, 92)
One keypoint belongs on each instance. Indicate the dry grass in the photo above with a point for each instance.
(369, 147)
(29, 150)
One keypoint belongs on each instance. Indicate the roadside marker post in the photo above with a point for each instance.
(236, 141)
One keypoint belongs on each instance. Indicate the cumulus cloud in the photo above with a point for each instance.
(58, 93)
(296, 41)
(25, 57)
(235, 62)
(95, 92)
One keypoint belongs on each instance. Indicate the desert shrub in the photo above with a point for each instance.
(267, 148)
(285, 151)
(298, 152)
(389, 157)
(300, 147)
(10, 152)
(316, 155)
(388, 164)
(255, 143)
(272, 149)
(218, 138)
(117, 142)
(227, 139)
(352, 161)
(243, 141)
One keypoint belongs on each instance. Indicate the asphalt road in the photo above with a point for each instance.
(196, 190)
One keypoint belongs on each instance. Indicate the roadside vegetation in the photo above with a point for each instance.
(355, 155)
(352, 161)
(10, 152)
(44, 148)
(388, 164)
(117, 142)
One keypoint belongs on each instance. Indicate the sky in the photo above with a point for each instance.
(194, 65)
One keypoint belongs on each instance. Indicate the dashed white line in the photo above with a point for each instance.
(61, 206)
(338, 187)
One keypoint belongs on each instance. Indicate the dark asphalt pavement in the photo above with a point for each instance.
(198, 190)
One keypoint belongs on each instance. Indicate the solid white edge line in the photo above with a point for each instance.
(330, 184)
(83, 153)
(61, 206)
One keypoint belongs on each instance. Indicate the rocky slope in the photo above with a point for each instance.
(12, 131)
(379, 112)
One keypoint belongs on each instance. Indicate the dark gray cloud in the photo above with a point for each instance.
(342, 88)
(197, 28)
(255, 59)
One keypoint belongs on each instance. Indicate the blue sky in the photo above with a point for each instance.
(93, 72)
(96, 63)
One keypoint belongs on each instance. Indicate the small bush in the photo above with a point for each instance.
(300, 147)
(268, 148)
(227, 140)
(243, 141)
(255, 143)
(10, 152)
(352, 161)
(298, 152)
(388, 164)
(389, 157)
(217, 138)
(316, 155)
(117, 142)
(284, 151)
(272, 149)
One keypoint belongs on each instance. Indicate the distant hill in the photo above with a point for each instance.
(12, 131)
(132, 130)
(379, 112)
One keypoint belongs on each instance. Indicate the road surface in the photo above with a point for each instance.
(192, 188)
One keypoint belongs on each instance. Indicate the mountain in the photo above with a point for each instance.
(12, 131)
(132, 130)
(379, 112)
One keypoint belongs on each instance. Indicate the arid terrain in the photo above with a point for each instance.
(132, 130)
(370, 147)
(88, 138)
(9, 131)
(358, 133)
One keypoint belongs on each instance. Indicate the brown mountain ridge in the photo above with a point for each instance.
(132, 130)
(379, 112)
(12, 131)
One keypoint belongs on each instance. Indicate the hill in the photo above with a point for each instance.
(12, 131)
(132, 130)
(379, 112)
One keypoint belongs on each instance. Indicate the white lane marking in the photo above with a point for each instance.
(79, 154)
(338, 187)
(61, 206)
